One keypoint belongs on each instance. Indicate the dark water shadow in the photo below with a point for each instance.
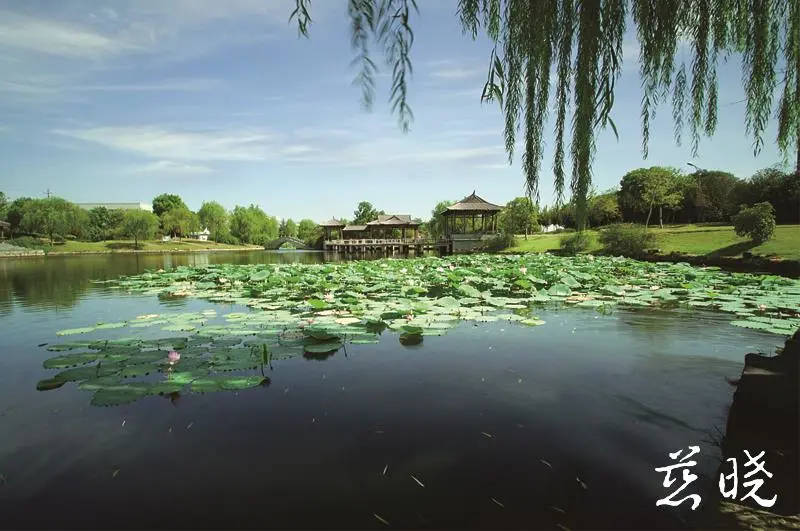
(734, 249)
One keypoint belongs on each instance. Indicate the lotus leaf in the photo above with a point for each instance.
(115, 395)
(70, 360)
(74, 331)
(323, 347)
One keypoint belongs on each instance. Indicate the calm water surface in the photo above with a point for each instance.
(504, 425)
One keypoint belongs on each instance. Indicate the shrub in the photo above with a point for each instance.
(756, 222)
(575, 242)
(27, 242)
(627, 240)
(498, 243)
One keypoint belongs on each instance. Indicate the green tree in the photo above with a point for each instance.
(436, 224)
(253, 225)
(3, 205)
(214, 216)
(647, 188)
(604, 209)
(781, 189)
(103, 224)
(179, 221)
(52, 216)
(290, 228)
(308, 231)
(519, 215)
(580, 42)
(364, 213)
(166, 202)
(15, 212)
(139, 224)
(756, 222)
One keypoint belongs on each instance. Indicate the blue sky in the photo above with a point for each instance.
(219, 100)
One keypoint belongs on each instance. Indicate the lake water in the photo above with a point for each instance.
(490, 426)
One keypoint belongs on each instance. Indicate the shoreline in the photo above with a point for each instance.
(38, 252)
(755, 264)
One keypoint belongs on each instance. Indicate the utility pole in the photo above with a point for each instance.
(700, 198)
(49, 193)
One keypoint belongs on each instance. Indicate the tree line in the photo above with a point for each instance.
(58, 220)
(667, 195)
(645, 195)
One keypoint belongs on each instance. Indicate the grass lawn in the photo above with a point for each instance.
(713, 240)
(148, 245)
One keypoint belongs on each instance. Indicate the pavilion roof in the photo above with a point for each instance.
(474, 203)
(355, 227)
(5, 224)
(333, 222)
(393, 220)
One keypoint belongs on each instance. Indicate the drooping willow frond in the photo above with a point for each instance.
(580, 42)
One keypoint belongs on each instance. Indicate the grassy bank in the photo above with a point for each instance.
(700, 240)
(111, 246)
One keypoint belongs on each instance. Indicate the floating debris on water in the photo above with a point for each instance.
(123, 423)
(557, 509)
(545, 463)
(498, 503)
(421, 484)
(581, 483)
(385, 469)
(382, 520)
(189, 426)
(489, 435)
(563, 527)
(115, 473)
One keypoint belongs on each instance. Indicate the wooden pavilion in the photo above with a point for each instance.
(5, 226)
(354, 232)
(387, 223)
(470, 221)
(331, 225)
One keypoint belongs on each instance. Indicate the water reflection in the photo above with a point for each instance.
(59, 282)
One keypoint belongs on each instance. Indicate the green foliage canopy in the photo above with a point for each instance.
(53, 216)
(139, 224)
(519, 216)
(365, 213)
(756, 222)
(437, 221)
(179, 221)
(166, 202)
(214, 216)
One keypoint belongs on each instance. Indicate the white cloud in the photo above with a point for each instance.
(165, 144)
(170, 85)
(56, 38)
(455, 73)
(168, 166)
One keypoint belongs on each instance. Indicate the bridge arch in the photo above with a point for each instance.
(277, 244)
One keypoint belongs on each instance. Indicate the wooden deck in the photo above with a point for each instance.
(386, 245)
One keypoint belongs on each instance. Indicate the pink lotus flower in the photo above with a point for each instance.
(173, 357)
(440, 270)
(409, 315)
(762, 307)
(452, 267)
(523, 270)
(328, 297)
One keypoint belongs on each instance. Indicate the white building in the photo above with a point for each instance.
(201, 235)
(117, 206)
